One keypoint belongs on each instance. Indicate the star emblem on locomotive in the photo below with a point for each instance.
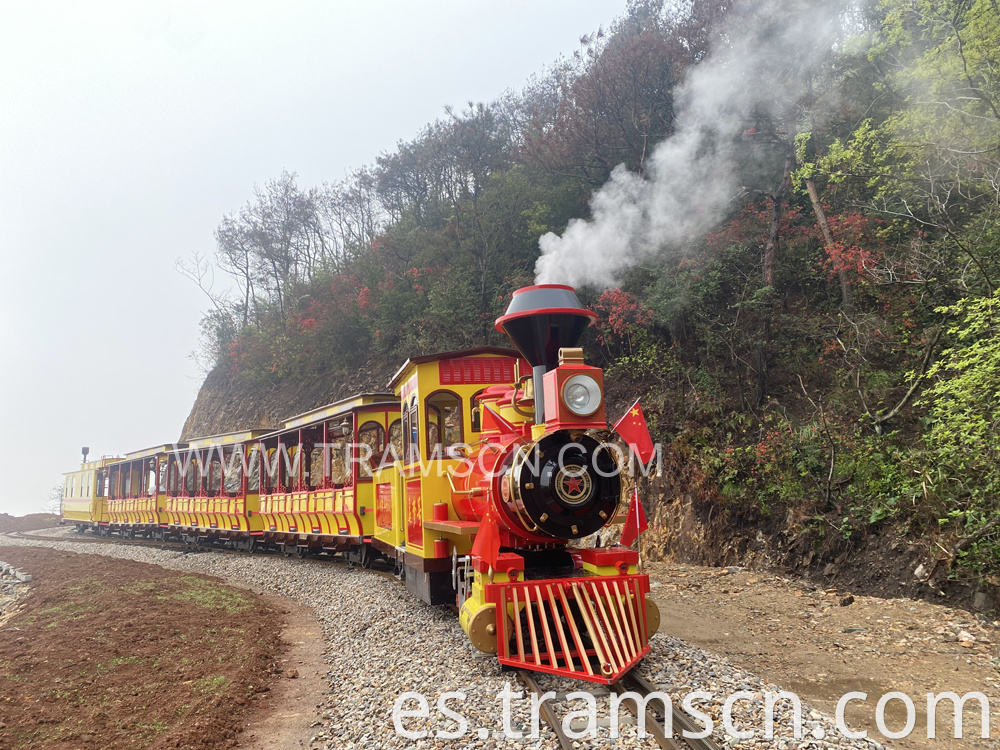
(573, 484)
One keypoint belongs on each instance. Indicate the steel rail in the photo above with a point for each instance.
(681, 722)
(545, 711)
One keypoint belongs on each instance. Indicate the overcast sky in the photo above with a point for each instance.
(128, 129)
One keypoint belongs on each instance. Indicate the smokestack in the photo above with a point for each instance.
(85, 450)
(539, 321)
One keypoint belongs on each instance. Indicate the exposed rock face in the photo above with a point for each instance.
(228, 402)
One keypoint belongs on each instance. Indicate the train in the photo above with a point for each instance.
(480, 476)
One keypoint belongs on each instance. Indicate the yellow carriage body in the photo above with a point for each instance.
(84, 500)
(316, 475)
(210, 485)
(135, 488)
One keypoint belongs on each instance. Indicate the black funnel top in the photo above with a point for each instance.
(543, 318)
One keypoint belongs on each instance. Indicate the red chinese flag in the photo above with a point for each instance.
(487, 544)
(632, 427)
(635, 521)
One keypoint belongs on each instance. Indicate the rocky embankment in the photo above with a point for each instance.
(12, 590)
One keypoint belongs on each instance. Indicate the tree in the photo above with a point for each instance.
(617, 100)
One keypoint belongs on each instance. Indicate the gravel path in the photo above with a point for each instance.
(380, 643)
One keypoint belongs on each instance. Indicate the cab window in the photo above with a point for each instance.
(444, 423)
(411, 433)
(476, 411)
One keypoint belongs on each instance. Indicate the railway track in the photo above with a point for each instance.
(654, 721)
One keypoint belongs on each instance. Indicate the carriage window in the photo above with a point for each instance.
(444, 423)
(253, 476)
(372, 435)
(276, 470)
(234, 470)
(162, 483)
(317, 467)
(215, 477)
(99, 485)
(394, 451)
(338, 462)
(174, 478)
(150, 489)
(191, 484)
(288, 467)
(271, 458)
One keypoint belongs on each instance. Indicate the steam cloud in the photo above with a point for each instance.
(691, 175)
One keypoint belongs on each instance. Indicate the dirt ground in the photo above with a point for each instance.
(823, 643)
(93, 659)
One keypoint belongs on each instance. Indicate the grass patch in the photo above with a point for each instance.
(209, 595)
(212, 685)
(115, 663)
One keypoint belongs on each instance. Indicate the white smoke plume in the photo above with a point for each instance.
(691, 177)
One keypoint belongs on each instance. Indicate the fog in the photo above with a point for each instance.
(127, 130)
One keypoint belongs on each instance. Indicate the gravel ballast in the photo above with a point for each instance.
(380, 643)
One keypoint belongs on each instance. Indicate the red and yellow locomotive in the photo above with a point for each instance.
(474, 477)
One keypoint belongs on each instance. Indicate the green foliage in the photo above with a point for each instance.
(960, 466)
(420, 251)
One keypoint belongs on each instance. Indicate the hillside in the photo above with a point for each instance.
(228, 401)
(29, 522)
(790, 240)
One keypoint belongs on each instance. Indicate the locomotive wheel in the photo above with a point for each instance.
(483, 629)
(652, 616)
